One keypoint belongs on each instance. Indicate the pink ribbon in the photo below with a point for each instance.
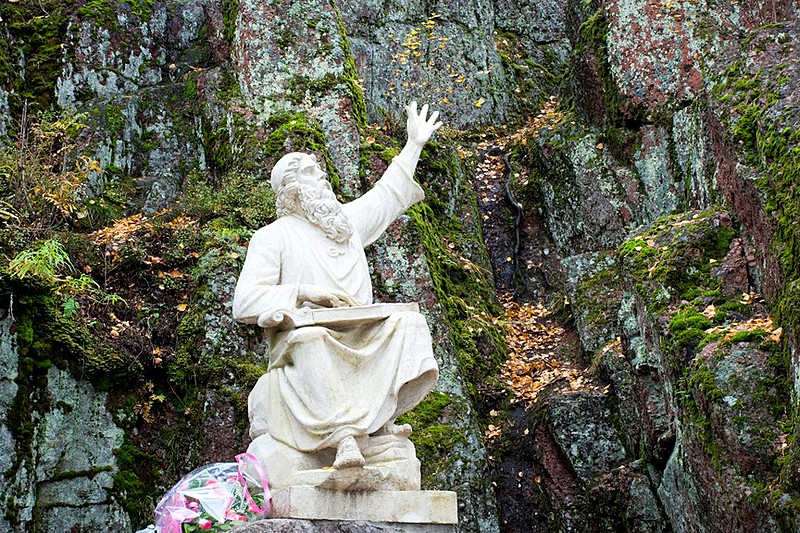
(267, 496)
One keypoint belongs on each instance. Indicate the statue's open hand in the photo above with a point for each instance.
(325, 297)
(420, 128)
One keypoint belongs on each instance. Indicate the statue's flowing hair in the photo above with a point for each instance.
(287, 200)
(320, 207)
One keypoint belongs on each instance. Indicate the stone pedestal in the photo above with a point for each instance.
(292, 525)
(309, 496)
(400, 506)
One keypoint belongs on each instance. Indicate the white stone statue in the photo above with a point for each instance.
(341, 369)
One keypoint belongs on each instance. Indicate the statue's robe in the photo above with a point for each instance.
(326, 383)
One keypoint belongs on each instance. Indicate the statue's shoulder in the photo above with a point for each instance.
(273, 231)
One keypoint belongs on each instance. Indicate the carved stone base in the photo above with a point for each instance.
(407, 506)
(292, 525)
(385, 491)
(391, 464)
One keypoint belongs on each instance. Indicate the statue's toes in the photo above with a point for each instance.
(348, 455)
(401, 430)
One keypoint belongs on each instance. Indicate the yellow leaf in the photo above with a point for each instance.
(479, 102)
(182, 308)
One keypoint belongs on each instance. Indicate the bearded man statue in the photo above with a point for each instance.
(337, 380)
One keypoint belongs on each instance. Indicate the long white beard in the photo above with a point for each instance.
(321, 208)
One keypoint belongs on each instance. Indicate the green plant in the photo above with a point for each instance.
(45, 264)
(43, 178)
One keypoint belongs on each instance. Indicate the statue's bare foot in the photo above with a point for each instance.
(348, 454)
(402, 430)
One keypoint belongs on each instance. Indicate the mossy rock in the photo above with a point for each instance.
(736, 395)
(242, 199)
(675, 257)
(37, 31)
(296, 132)
(433, 438)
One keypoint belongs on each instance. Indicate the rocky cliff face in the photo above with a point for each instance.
(680, 109)
(655, 157)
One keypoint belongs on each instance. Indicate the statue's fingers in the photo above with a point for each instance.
(411, 108)
(437, 126)
(351, 301)
(433, 118)
(424, 112)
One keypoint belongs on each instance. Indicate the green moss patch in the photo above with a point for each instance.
(133, 483)
(37, 31)
(433, 440)
(463, 285)
(674, 259)
(243, 199)
(296, 132)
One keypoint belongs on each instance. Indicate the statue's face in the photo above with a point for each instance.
(310, 173)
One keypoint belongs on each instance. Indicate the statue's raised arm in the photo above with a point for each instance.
(311, 262)
(308, 210)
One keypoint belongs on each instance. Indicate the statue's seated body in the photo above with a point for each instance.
(341, 370)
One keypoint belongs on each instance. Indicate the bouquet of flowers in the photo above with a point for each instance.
(215, 497)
